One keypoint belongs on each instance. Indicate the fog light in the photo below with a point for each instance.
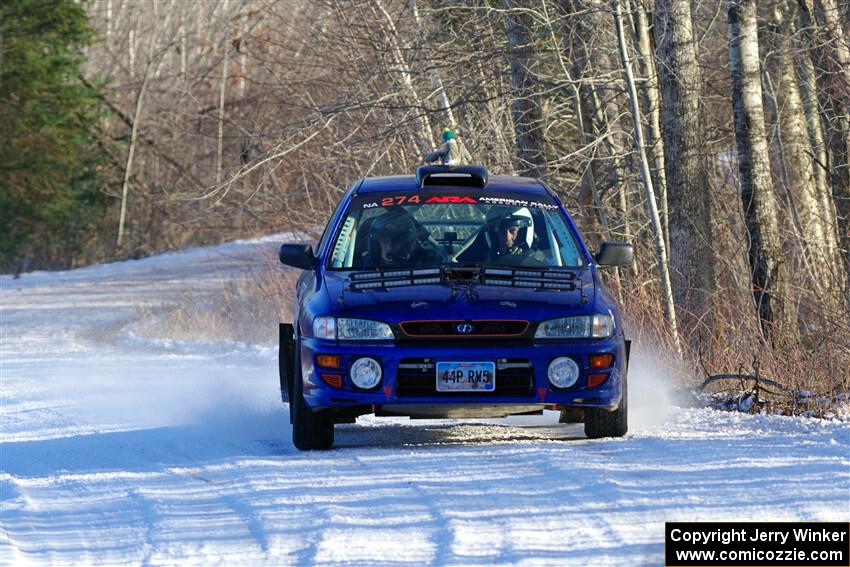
(365, 373)
(563, 372)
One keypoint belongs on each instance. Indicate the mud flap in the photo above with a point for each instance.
(626, 369)
(286, 360)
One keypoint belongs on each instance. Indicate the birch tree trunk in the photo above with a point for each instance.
(831, 63)
(839, 138)
(526, 104)
(243, 55)
(131, 52)
(433, 74)
(688, 190)
(802, 186)
(652, 104)
(814, 129)
(767, 267)
(646, 177)
(222, 99)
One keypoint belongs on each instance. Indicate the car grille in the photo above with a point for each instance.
(417, 377)
(461, 329)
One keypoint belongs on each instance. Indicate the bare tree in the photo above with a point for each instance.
(433, 72)
(649, 193)
(398, 49)
(821, 266)
(152, 64)
(814, 129)
(526, 103)
(652, 104)
(831, 57)
(767, 266)
(688, 190)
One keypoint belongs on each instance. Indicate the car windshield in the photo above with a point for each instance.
(425, 230)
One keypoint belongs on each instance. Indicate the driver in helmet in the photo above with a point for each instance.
(511, 235)
(394, 241)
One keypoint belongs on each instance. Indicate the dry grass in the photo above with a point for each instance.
(247, 309)
(811, 373)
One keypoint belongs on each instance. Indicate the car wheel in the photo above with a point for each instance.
(599, 422)
(310, 430)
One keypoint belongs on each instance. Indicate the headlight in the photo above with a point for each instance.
(581, 327)
(351, 329)
(365, 373)
(362, 330)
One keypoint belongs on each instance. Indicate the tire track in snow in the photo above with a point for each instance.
(443, 533)
(150, 517)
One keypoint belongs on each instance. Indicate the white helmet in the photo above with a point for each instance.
(520, 218)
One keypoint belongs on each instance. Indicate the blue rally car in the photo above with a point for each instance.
(452, 294)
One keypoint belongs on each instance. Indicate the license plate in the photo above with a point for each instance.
(466, 376)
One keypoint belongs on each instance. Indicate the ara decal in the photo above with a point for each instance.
(454, 199)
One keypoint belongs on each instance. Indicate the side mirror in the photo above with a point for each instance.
(615, 254)
(297, 256)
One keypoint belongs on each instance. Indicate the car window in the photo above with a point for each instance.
(565, 244)
(328, 228)
(425, 230)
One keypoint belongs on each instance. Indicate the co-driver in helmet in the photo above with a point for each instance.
(394, 241)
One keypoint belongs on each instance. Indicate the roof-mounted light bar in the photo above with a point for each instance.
(393, 278)
(533, 279)
(506, 277)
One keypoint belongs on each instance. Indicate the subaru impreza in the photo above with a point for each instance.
(452, 294)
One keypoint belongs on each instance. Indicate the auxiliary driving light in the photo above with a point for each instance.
(563, 372)
(365, 373)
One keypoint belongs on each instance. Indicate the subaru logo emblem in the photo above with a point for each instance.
(464, 328)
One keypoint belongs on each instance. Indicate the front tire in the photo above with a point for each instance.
(310, 430)
(600, 422)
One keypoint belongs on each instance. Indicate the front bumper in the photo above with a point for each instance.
(319, 394)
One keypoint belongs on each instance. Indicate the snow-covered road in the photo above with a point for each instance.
(121, 448)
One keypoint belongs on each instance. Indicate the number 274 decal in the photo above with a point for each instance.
(400, 200)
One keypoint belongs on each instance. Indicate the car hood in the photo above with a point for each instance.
(444, 302)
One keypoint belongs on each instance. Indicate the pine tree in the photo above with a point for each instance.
(49, 157)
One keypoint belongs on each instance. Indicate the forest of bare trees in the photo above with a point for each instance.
(713, 134)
